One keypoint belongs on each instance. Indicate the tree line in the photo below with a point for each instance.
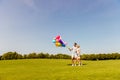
(101, 56)
(15, 55)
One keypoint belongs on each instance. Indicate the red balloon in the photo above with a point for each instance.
(58, 37)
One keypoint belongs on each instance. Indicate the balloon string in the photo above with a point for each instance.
(67, 47)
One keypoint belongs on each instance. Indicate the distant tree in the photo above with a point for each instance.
(32, 56)
(47, 55)
(107, 56)
(19, 56)
(0, 57)
(41, 55)
(66, 56)
(62, 56)
(52, 56)
(117, 55)
(25, 56)
(11, 55)
(101, 56)
(85, 57)
(58, 56)
(93, 57)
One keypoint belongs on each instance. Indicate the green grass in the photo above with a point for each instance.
(56, 69)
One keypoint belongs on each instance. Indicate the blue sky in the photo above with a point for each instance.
(30, 25)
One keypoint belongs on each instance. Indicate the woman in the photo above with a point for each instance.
(78, 55)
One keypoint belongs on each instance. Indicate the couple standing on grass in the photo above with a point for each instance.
(75, 55)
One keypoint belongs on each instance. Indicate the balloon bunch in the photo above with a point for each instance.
(58, 41)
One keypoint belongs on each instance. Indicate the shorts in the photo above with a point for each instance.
(74, 56)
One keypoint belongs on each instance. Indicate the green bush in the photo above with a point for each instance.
(100, 56)
(11, 55)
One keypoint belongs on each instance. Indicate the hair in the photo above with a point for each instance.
(75, 44)
(78, 46)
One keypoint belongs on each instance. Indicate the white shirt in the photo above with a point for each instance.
(78, 51)
(74, 49)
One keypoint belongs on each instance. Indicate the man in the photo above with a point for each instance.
(74, 54)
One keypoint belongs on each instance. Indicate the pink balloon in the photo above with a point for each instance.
(57, 40)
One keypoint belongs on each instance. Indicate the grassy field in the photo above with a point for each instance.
(56, 69)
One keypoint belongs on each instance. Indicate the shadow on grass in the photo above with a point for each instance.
(71, 64)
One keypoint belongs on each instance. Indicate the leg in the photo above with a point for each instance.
(75, 61)
(78, 60)
(72, 62)
(72, 58)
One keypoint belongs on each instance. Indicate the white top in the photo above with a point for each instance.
(74, 49)
(78, 51)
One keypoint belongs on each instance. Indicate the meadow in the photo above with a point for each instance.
(58, 69)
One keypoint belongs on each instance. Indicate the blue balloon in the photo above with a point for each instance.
(53, 40)
(63, 45)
